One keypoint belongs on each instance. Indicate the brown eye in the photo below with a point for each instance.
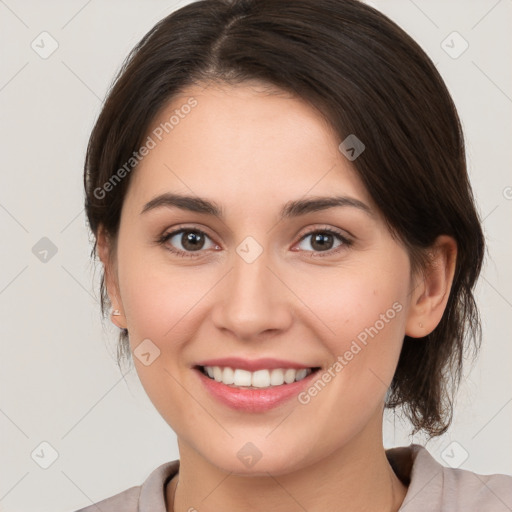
(192, 240)
(186, 241)
(324, 240)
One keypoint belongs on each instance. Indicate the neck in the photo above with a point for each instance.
(354, 478)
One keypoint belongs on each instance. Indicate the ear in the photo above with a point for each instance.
(104, 248)
(432, 289)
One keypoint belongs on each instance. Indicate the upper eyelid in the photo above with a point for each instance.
(179, 229)
(337, 231)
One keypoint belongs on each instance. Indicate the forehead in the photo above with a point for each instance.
(244, 141)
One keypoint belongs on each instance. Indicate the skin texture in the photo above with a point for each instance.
(251, 151)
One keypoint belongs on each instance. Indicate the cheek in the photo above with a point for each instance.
(363, 316)
(160, 299)
(371, 344)
(163, 305)
(349, 302)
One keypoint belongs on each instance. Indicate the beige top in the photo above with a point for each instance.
(432, 487)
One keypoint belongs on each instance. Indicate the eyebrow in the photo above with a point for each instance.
(289, 210)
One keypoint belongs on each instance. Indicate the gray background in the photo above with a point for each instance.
(59, 381)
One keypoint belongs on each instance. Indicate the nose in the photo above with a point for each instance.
(253, 301)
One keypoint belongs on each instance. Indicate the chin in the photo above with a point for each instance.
(248, 460)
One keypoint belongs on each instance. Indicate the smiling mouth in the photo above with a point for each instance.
(265, 378)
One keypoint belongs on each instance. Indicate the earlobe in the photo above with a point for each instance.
(103, 246)
(432, 289)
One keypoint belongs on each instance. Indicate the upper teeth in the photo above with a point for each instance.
(257, 379)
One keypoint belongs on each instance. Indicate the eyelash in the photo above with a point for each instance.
(195, 254)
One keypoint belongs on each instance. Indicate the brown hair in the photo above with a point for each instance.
(368, 78)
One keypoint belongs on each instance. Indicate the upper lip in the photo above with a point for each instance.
(253, 365)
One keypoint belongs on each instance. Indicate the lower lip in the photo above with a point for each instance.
(254, 400)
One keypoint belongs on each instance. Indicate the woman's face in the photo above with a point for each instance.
(327, 287)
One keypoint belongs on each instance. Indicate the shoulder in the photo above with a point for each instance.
(433, 486)
(125, 501)
(147, 497)
(473, 491)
